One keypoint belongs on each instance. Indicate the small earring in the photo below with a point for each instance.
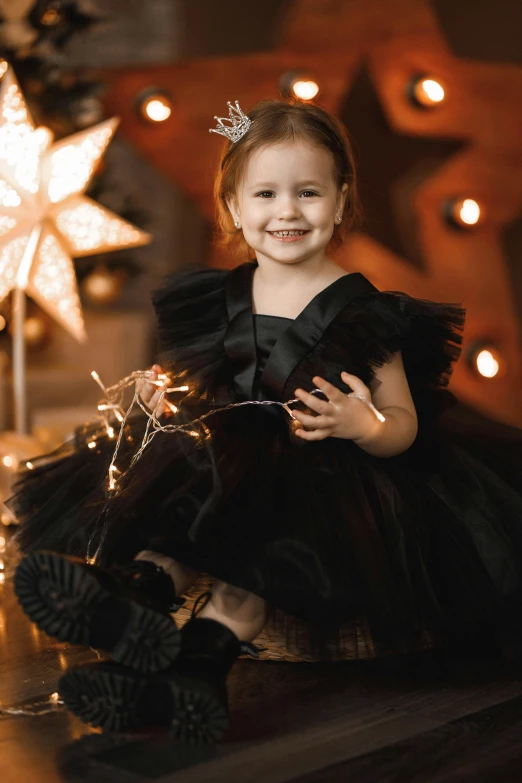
(236, 223)
(339, 218)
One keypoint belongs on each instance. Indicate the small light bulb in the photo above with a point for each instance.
(54, 697)
(487, 364)
(29, 465)
(305, 89)
(8, 461)
(154, 105)
(91, 444)
(426, 92)
(469, 212)
(96, 377)
(463, 213)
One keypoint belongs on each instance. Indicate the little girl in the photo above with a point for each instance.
(314, 480)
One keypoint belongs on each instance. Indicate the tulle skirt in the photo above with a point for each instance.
(425, 545)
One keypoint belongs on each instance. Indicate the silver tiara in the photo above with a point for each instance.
(239, 123)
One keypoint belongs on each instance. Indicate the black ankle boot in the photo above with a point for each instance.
(190, 698)
(123, 611)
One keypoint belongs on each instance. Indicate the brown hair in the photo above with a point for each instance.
(274, 122)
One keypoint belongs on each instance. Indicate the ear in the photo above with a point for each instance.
(341, 198)
(233, 207)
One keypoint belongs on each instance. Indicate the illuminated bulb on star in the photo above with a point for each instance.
(45, 221)
(425, 92)
(462, 212)
(299, 85)
(486, 360)
(487, 365)
(306, 90)
(154, 106)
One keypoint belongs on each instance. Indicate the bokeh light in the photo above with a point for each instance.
(426, 92)
(463, 212)
(298, 84)
(154, 106)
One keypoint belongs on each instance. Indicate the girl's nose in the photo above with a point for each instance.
(289, 209)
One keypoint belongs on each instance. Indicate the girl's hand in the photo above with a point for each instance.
(150, 393)
(340, 416)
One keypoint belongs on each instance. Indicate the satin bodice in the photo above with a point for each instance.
(268, 330)
(263, 351)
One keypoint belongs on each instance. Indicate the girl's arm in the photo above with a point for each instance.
(393, 399)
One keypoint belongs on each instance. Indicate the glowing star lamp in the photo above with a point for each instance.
(45, 220)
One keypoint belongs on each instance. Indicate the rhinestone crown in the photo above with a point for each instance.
(239, 123)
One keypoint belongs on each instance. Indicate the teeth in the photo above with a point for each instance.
(287, 233)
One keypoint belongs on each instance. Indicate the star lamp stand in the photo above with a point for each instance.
(46, 221)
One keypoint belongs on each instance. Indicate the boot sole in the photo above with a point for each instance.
(111, 700)
(62, 598)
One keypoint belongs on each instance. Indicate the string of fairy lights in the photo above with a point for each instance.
(112, 404)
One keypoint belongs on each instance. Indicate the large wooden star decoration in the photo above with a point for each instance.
(396, 39)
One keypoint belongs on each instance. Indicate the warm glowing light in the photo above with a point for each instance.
(29, 465)
(306, 90)
(433, 90)
(41, 187)
(463, 212)
(299, 84)
(154, 105)
(427, 92)
(8, 461)
(51, 17)
(2, 578)
(54, 697)
(97, 378)
(87, 227)
(157, 110)
(487, 365)
(91, 444)
(469, 212)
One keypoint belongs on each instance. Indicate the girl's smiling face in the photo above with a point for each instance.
(287, 202)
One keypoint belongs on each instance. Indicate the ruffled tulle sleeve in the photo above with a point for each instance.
(373, 327)
(428, 334)
(191, 317)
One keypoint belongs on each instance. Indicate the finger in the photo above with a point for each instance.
(356, 384)
(334, 394)
(315, 435)
(313, 422)
(312, 401)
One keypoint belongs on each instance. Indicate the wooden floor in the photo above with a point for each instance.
(299, 723)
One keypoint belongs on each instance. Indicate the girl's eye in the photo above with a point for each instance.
(264, 193)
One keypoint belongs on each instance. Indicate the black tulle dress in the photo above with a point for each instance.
(407, 550)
